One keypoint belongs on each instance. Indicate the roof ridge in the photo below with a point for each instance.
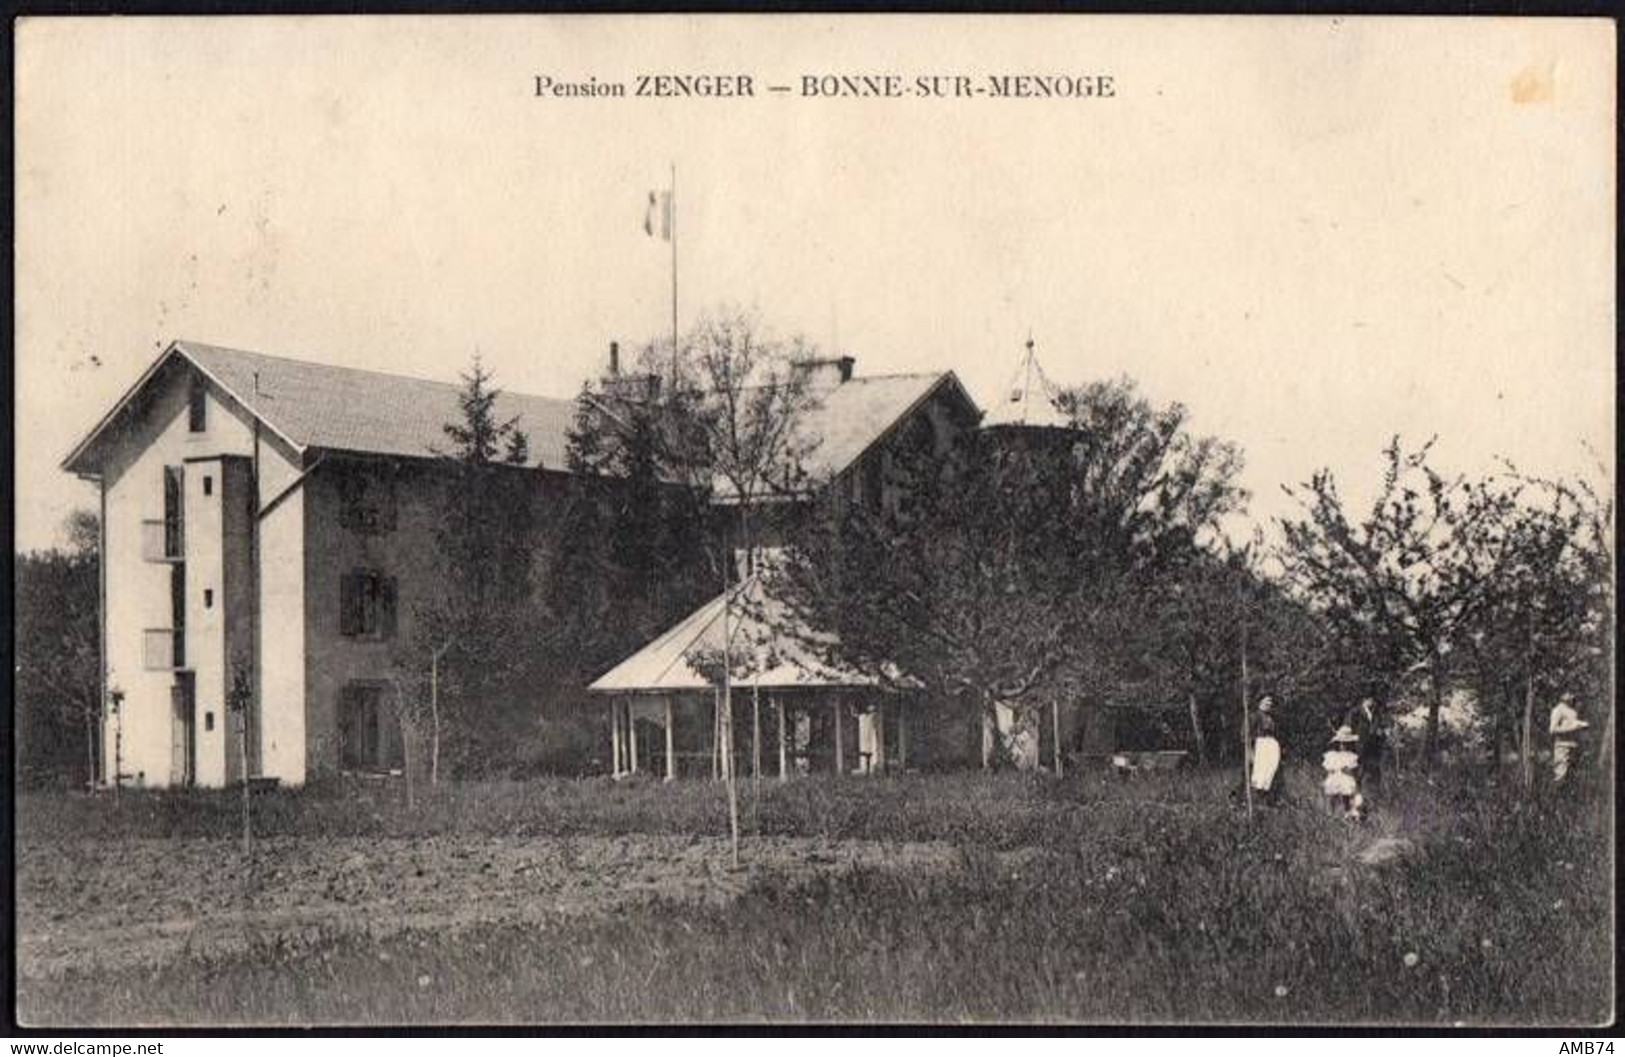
(187, 344)
(894, 374)
(191, 343)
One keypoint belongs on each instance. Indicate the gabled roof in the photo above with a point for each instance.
(770, 651)
(850, 418)
(316, 406)
(319, 406)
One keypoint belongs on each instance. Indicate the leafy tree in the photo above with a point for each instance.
(485, 622)
(1006, 571)
(1183, 637)
(633, 542)
(1148, 490)
(58, 655)
(1546, 623)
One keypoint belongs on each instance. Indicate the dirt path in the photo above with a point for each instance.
(83, 904)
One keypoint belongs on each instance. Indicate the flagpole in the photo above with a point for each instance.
(673, 209)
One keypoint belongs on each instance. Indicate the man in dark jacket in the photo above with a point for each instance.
(1369, 721)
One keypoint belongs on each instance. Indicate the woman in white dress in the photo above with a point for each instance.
(1266, 776)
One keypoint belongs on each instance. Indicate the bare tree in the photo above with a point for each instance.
(734, 433)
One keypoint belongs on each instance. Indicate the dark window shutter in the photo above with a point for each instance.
(386, 501)
(391, 744)
(386, 606)
(346, 501)
(349, 733)
(375, 732)
(349, 604)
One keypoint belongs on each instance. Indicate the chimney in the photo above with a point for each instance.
(825, 373)
(633, 388)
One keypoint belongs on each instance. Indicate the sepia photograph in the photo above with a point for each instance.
(800, 520)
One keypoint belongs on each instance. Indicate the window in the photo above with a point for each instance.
(367, 604)
(367, 500)
(369, 739)
(197, 408)
(177, 605)
(174, 512)
(208, 721)
(208, 485)
(208, 598)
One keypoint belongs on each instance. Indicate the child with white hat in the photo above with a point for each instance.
(1341, 786)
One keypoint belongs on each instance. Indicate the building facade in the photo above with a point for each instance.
(268, 527)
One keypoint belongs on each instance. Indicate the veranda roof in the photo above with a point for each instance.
(772, 651)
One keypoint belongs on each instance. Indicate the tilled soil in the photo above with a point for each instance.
(84, 905)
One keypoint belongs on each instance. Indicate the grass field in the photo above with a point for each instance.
(940, 898)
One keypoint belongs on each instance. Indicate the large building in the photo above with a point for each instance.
(268, 524)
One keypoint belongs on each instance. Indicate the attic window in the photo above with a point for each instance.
(197, 411)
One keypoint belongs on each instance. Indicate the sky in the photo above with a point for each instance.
(1315, 233)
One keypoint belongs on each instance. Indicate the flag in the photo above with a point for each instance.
(657, 217)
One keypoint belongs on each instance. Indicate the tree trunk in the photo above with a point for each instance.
(1055, 721)
(1430, 741)
(1246, 727)
(1528, 755)
(784, 753)
(1605, 747)
(728, 772)
(1196, 729)
(434, 721)
(90, 751)
(406, 762)
(756, 738)
(1527, 758)
(989, 732)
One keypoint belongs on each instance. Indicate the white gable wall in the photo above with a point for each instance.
(283, 659)
(154, 435)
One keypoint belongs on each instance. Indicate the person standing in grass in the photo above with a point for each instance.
(1369, 722)
(1341, 761)
(1565, 726)
(1266, 776)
